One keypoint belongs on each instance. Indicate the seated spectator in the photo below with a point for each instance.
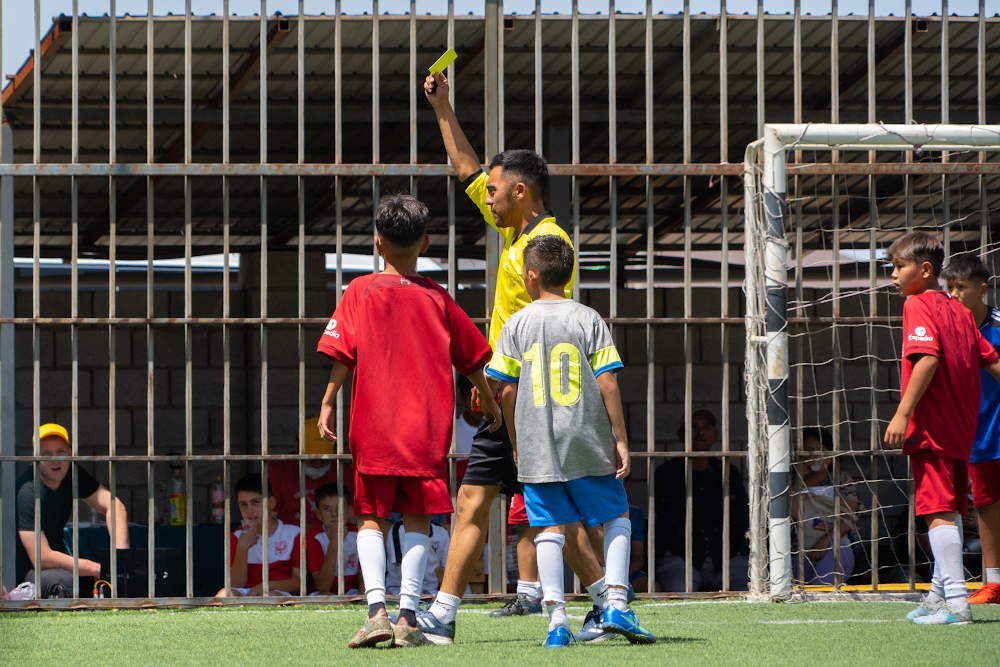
(466, 424)
(437, 554)
(321, 547)
(56, 490)
(814, 483)
(637, 576)
(707, 516)
(284, 477)
(246, 572)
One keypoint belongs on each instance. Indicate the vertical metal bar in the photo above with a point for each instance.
(413, 93)
(723, 85)
(650, 275)
(301, 62)
(452, 258)
(150, 311)
(263, 292)
(339, 221)
(724, 398)
(834, 71)
(612, 159)
(945, 113)
(74, 294)
(188, 334)
(908, 104)
(799, 370)
(575, 121)
(688, 332)
(838, 385)
(376, 123)
(8, 510)
(226, 331)
(873, 434)
(36, 398)
(984, 229)
(761, 102)
(112, 289)
(539, 120)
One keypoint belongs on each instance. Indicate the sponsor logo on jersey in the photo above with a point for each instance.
(331, 329)
(920, 334)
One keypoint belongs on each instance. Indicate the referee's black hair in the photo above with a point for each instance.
(551, 257)
(251, 484)
(966, 267)
(401, 220)
(526, 166)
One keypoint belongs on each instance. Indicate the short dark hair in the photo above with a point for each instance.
(917, 247)
(325, 491)
(526, 166)
(821, 434)
(401, 220)
(251, 484)
(966, 267)
(551, 257)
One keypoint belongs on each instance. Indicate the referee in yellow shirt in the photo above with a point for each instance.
(510, 197)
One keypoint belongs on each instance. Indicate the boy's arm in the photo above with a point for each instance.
(290, 585)
(508, 399)
(487, 405)
(326, 575)
(994, 369)
(462, 155)
(238, 571)
(328, 411)
(924, 368)
(608, 385)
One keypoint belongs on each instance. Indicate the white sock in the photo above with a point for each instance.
(529, 589)
(445, 607)
(617, 552)
(411, 584)
(549, 547)
(557, 615)
(946, 545)
(599, 593)
(992, 575)
(936, 593)
(371, 556)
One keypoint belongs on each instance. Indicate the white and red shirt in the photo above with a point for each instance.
(437, 555)
(945, 418)
(318, 543)
(283, 554)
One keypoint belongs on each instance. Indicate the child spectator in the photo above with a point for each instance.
(935, 422)
(437, 554)
(573, 449)
(967, 280)
(246, 574)
(321, 560)
(398, 332)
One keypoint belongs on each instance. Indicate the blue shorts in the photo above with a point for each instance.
(593, 500)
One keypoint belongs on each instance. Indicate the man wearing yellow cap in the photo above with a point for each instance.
(56, 490)
(284, 477)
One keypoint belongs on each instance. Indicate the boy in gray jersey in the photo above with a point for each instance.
(567, 429)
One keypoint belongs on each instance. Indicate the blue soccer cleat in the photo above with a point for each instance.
(925, 609)
(558, 638)
(626, 624)
(592, 630)
(434, 631)
(945, 616)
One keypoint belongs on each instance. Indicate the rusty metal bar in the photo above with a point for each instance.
(650, 312)
(150, 309)
(688, 333)
(266, 584)
(301, 338)
(210, 458)
(74, 293)
(112, 291)
(226, 334)
(339, 219)
(539, 119)
(188, 334)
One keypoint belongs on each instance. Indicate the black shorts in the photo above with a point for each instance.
(491, 462)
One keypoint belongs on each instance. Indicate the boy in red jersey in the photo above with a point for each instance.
(936, 420)
(396, 330)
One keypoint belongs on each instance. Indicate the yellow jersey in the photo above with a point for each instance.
(511, 295)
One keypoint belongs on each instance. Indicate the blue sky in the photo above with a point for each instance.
(18, 15)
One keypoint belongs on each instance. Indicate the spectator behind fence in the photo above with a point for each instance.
(284, 477)
(321, 547)
(707, 516)
(246, 574)
(638, 579)
(56, 488)
(815, 483)
(437, 555)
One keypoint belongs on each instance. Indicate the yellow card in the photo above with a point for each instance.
(441, 64)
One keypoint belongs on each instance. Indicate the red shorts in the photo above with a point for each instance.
(985, 482)
(942, 484)
(517, 515)
(384, 494)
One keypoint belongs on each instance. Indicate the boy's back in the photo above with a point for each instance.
(557, 348)
(944, 420)
(401, 335)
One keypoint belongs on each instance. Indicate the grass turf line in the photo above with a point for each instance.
(846, 633)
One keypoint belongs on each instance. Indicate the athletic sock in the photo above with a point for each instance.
(371, 556)
(445, 607)
(936, 593)
(617, 552)
(415, 546)
(531, 590)
(410, 616)
(992, 575)
(946, 545)
(599, 593)
(374, 608)
(549, 547)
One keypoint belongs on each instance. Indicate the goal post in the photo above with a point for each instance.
(766, 371)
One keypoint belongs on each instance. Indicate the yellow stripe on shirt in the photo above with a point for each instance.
(606, 359)
(504, 368)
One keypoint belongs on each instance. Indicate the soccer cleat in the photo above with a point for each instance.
(592, 630)
(626, 624)
(988, 594)
(519, 606)
(558, 638)
(433, 630)
(405, 636)
(925, 609)
(945, 616)
(375, 631)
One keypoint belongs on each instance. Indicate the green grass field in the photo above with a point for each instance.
(689, 634)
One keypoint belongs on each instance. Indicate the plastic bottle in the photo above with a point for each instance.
(178, 497)
(218, 502)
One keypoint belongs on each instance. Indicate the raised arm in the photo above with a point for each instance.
(462, 155)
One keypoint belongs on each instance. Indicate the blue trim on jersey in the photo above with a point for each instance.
(497, 375)
(987, 444)
(613, 366)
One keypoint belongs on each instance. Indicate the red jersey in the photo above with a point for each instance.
(401, 336)
(944, 419)
(284, 478)
(283, 548)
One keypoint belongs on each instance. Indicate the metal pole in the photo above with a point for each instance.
(650, 275)
(226, 332)
(263, 293)
(112, 291)
(74, 293)
(301, 338)
(150, 311)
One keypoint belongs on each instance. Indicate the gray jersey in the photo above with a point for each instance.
(555, 350)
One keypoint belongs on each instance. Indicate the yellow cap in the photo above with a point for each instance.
(315, 444)
(45, 430)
